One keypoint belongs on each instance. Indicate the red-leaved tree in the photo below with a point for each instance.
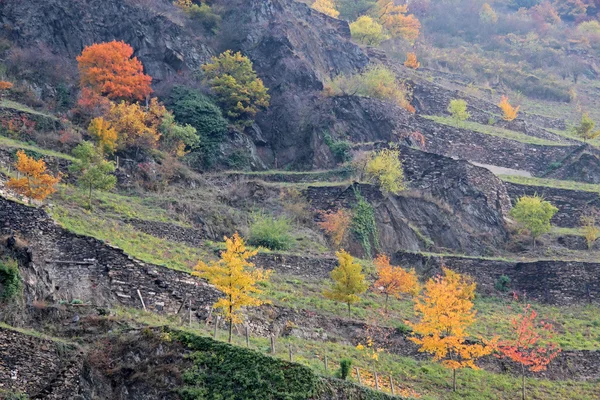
(532, 346)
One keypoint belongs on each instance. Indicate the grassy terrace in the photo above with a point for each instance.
(16, 144)
(13, 105)
(553, 183)
(494, 131)
(430, 380)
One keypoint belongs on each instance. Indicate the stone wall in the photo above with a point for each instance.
(571, 204)
(546, 281)
(65, 266)
(39, 367)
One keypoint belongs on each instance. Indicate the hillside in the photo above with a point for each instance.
(199, 199)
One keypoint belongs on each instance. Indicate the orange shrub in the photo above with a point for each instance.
(336, 225)
(411, 61)
(510, 112)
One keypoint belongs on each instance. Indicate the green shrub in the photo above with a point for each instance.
(345, 367)
(274, 233)
(502, 284)
(403, 329)
(339, 148)
(222, 371)
(192, 107)
(458, 109)
(11, 285)
(205, 15)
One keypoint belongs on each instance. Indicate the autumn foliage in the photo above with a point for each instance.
(532, 345)
(36, 183)
(104, 134)
(509, 112)
(397, 21)
(326, 7)
(348, 281)
(235, 277)
(108, 69)
(336, 225)
(411, 61)
(4, 86)
(445, 310)
(136, 126)
(394, 281)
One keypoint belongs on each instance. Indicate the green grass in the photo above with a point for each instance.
(494, 131)
(135, 243)
(553, 183)
(427, 378)
(13, 105)
(16, 144)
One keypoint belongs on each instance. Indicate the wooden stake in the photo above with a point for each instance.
(392, 384)
(376, 381)
(326, 366)
(358, 375)
(272, 344)
(216, 326)
(247, 336)
(290, 352)
(141, 299)
(190, 306)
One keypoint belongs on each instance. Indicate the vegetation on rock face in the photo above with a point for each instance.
(364, 225)
(11, 286)
(376, 81)
(367, 31)
(238, 89)
(458, 109)
(326, 7)
(534, 214)
(348, 281)
(384, 168)
(509, 112)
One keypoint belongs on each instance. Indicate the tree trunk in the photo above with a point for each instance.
(522, 382)
(230, 323)
(454, 380)
(387, 296)
(90, 198)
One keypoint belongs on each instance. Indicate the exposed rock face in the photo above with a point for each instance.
(582, 165)
(155, 30)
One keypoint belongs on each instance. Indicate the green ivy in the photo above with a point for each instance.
(11, 285)
(364, 225)
(339, 148)
(225, 372)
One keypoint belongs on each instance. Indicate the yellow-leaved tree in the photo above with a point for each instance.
(397, 21)
(384, 168)
(106, 136)
(326, 7)
(509, 112)
(445, 311)
(394, 281)
(236, 278)
(36, 183)
(348, 281)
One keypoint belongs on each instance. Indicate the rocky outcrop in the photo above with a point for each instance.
(582, 165)
(155, 29)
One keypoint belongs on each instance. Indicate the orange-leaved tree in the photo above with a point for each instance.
(397, 21)
(393, 280)
(36, 184)
(336, 225)
(445, 310)
(108, 69)
(531, 346)
(236, 278)
(5, 86)
(509, 112)
(411, 61)
(348, 281)
(104, 134)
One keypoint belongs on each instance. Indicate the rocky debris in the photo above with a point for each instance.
(571, 204)
(164, 230)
